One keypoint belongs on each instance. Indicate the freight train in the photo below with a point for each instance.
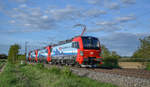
(84, 51)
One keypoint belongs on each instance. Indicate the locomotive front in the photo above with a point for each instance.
(89, 51)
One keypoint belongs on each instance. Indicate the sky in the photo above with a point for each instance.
(119, 24)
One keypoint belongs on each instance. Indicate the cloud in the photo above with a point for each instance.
(20, 1)
(33, 18)
(50, 18)
(126, 18)
(12, 31)
(142, 35)
(114, 6)
(110, 4)
(106, 26)
(37, 18)
(12, 21)
(69, 12)
(94, 1)
(128, 1)
(112, 25)
(106, 23)
(23, 6)
(1, 7)
(105, 4)
(105, 29)
(123, 43)
(94, 12)
(4, 48)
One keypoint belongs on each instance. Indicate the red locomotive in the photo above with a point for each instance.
(80, 50)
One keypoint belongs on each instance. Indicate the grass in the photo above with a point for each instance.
(2, 63)
(148, 66)
(38, 76)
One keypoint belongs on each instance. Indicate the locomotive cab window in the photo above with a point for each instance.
(90, 43)
(75, 45)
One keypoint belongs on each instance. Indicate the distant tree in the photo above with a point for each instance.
(138, 54)
(3, 56)
(110, 58)
(13, 53)
(105, 51)
(114, 54)
(144, 49)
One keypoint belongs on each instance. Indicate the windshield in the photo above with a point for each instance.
(90, 43)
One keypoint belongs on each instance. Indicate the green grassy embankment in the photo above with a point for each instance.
(38, 76)
(2, 62)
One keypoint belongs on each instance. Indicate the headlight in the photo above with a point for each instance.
(81, 53)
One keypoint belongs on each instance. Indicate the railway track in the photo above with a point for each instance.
(120, 77)
(138, 73)
(124, 72)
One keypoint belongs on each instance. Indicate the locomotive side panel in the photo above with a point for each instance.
(64, 54)
(42, 55)
(63, 50)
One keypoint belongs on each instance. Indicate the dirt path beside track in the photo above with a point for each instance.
(2, 67)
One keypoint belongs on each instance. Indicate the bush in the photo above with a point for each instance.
(148, 66)
(2, 60)
(111, 62)
(66, 71)
(40, 65)
(22, 64)
(55, 70)
(21, 57)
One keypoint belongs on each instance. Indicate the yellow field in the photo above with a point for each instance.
(132, 65)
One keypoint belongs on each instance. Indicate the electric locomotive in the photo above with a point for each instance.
(84, 51)
(81, 50)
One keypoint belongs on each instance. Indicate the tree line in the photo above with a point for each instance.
(144, 49)
(3, 56)
(107, 53)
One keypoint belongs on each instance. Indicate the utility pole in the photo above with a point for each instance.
(26, 48)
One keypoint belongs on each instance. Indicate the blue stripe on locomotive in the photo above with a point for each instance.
(64, 50)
